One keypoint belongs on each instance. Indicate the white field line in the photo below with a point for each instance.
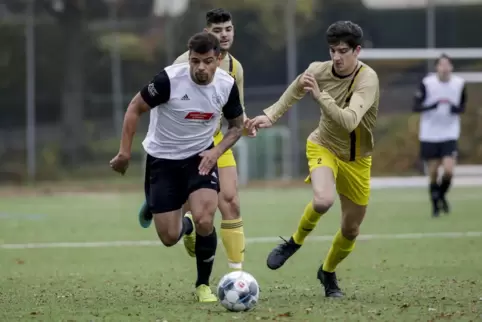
(421, 182)
(253, 240)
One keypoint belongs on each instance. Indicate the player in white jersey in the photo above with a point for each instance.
(440, 100)
(186, 102)
(219, 22)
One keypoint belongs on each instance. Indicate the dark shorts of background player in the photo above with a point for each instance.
(168, 183)
(438, 150)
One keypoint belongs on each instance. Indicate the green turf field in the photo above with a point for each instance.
(407, 268)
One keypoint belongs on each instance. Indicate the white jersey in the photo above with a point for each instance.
(184, 114)
(440, 120)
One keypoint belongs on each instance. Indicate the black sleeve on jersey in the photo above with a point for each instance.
(463, 100)
(420, 96)
(158, 91)
(233, 108)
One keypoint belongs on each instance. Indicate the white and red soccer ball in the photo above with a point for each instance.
(238, 291)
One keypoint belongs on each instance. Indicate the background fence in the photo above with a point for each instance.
(69, 69)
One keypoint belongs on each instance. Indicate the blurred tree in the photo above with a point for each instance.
(268, 13)
(75, 17)
(71, 19)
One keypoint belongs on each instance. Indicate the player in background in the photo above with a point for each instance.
(186, 102)
(440, 100)
(338, 151)
(219, 23)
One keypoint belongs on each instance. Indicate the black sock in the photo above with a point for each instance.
(205, 252)
(186, 227)
(434, 194)
(445, 185)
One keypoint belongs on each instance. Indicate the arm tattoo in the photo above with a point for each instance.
(237, 123)
(234, 132)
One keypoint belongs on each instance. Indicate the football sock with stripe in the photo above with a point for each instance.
(307, 223)
(205, 252)
(232, 235)
(341, 247)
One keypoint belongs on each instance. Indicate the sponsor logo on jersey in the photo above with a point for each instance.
(151, 89)
(199, 116)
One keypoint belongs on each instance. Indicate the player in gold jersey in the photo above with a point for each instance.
(339, 150)
(219, 22)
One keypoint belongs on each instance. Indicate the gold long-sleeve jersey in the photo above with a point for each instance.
(229, 64)
(349, 108)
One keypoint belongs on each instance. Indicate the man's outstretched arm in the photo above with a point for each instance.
(155, 93)
(292, 94)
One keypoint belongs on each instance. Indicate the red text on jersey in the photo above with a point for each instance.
(199, 116)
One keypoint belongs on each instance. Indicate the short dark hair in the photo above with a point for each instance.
(344, 31)
(204, 42)
(443, 56)
(218, 15)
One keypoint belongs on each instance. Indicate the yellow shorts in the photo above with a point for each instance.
(352, 178)
(227, 159)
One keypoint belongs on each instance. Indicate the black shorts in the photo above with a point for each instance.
(438, 150)
(168, 183)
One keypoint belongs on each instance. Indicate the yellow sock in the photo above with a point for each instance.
(307, 223)
(340, 249)
(232, 235)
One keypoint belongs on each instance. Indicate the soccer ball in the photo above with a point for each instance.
(238, 291)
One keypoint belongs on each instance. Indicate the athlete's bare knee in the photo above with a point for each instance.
(322, 203)
(350, 230)
(203, 216)
(204, 224)
(448, 171)
(168, 227)
(229, 205)
(228, 197)
(168, 238)
(433, 167)
(351, 222)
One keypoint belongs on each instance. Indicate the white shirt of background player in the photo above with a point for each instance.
(441, 104)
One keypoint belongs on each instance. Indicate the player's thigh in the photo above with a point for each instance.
(227, 170)
(353, 186)
(353, 180)
(431, 155)
(166, 191)
(228, 196)
(323, 169)
(448, 165)
(433, 166)
(449, 156)
(203, 195)
(227, 159)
